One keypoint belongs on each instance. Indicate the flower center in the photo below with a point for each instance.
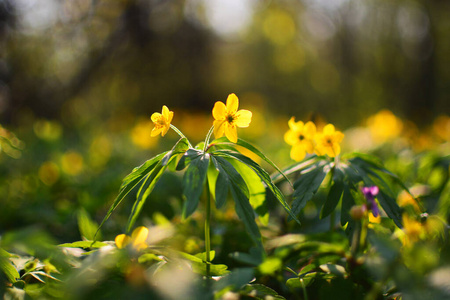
(161, 121)
(230, 118)
(328, 141)
(301, 137)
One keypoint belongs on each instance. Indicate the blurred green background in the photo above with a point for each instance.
(79, 80)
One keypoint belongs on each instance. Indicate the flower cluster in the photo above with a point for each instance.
(226, 118)
(304, 139)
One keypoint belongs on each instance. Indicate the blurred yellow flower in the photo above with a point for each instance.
(227, 117)
(48, 173)
(141, 135)
(301, 137)
(413, 229)
(138, 239)
(441, 127)
(406, 199)
(161, 121)
(328, 141)
(72, 163)
(384, 126)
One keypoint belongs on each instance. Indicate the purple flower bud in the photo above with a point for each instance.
(369, 193)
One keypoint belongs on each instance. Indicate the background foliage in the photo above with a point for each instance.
(79, 80)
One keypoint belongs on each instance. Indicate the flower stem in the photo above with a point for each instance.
(208, 136)
(181, 134)
(207, 232)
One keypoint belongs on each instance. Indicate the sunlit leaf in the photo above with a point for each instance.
(224, 141)
(86, 225)
(8, 269)
(84, 244)
(131, 180)
(152, 178)
(263, 175)
(240, 194)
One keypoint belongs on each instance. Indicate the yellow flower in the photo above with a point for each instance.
(328, 141)
(227, 117)
(413, 229)
(161, 121)
(301, 137)
(137, 240)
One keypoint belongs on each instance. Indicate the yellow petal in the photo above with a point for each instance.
(232, 103)
(310, 130)
(328, 129)
(165, 112)
(291, 137)
(298, 152)
(156, 131)
(219, 111)
(139, 235)
(338, 136)
(155, 116)
(308, 145)
(231, 133)
(122, 240)
(165, 129)
(169, 120)
(243, 118)
(219, 128)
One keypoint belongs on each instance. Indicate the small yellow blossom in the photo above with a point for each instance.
(301, 137)
(384, 126)
(413, 229)
(227, 117)
(328, 142)
(406, 199)
(137, 240)
(161, 121)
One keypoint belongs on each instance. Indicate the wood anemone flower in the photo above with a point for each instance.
(138, 239)
(301, 137)
(228, 117)
(328, 142)
(162, 121)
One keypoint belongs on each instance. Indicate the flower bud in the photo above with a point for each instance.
(357, 212)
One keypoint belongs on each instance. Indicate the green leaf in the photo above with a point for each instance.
(263, 175)
(257, 190)
(131, 180)
(188, 156)
(347, 202)
(84, 244)
(335, 194)
(152, 178)
(235, 280)
(219, 183)
(307, 186)
(233, 176)
(199, 265)
(224, 141)
(297, 167)
(240, 194)
(391, 207)
(260, 291)
(8, 269)
(202, 255)
(86, 225)
(194, 182)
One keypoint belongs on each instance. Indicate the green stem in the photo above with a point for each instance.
(181, 134)
(305, 295)
(207, 232)
(208, 137)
